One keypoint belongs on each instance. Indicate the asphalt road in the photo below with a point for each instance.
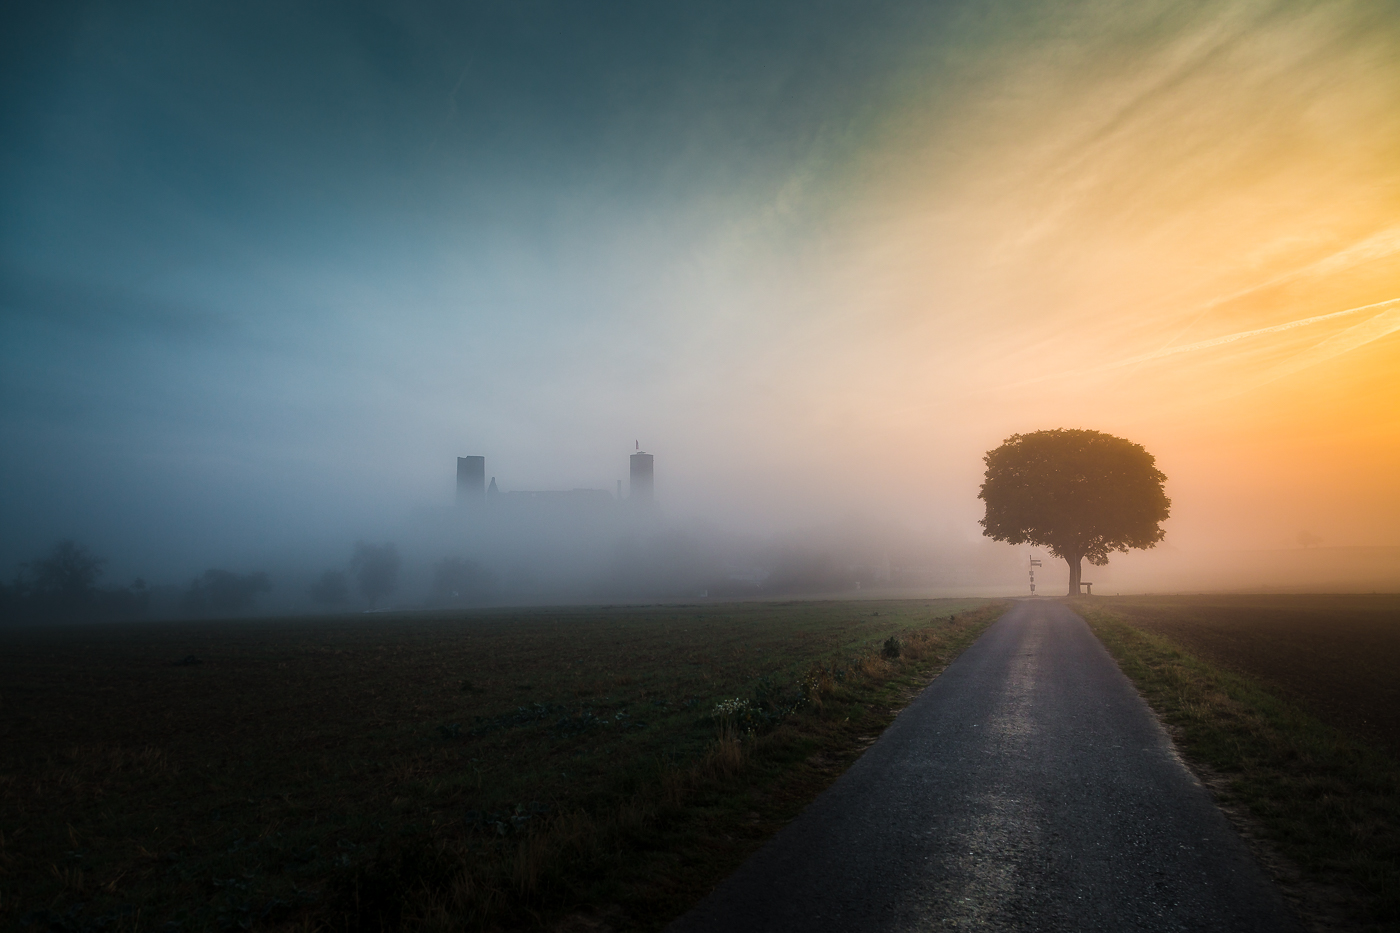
(1027, 788)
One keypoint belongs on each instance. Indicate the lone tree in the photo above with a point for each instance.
(1078, 494)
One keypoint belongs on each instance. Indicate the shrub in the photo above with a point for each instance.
(221, 592)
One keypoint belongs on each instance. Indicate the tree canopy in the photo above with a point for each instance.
(62, 586)
(1079, 494)
(68, 572)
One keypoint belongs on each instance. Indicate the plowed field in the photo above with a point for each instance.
(1338, 656)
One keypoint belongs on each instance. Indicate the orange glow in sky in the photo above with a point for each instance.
(1189, 236)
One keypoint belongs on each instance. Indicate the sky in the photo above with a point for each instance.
(267, 269)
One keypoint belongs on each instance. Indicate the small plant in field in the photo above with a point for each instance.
(736, 708)
(815, 684)
(771, 704)
(726, 757)
(739, 715)
(773, 699)
(892, 647)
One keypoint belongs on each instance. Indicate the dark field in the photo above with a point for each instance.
(1338, 656)
(493, 769)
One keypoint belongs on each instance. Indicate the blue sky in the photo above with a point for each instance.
(266, 259)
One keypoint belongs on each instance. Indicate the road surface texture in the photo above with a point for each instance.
(1027, 788)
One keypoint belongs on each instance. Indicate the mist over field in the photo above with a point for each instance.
(266, 272)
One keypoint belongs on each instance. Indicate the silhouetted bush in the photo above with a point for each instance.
(221, 592)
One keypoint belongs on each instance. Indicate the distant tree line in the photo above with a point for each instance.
(62, 585)
(373, 574)
(222, 593)
(65, 583)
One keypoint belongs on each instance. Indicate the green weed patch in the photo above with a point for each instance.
(1327, 801)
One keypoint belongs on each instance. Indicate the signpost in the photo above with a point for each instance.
(1034, 564)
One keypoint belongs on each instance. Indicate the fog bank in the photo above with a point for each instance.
(266, 271)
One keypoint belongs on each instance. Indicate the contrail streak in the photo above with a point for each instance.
(1375, 246)
(1243, 335)
(1354, 337)
(1381, 325)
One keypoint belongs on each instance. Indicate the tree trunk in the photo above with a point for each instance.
(1075, 573)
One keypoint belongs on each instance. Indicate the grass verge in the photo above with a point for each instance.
(1328, 803)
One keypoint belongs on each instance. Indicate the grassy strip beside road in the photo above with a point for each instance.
(595, 768)
(1336, 655)
(1328, 802)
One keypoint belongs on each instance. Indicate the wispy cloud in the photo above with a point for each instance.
(1376, 246)
(1353, 338)
(1243, 335)
(1381, 325)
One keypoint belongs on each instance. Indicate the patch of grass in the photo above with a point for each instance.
(1327, 801)
(502, 769)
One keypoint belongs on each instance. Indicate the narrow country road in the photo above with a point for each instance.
(1027, 788)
